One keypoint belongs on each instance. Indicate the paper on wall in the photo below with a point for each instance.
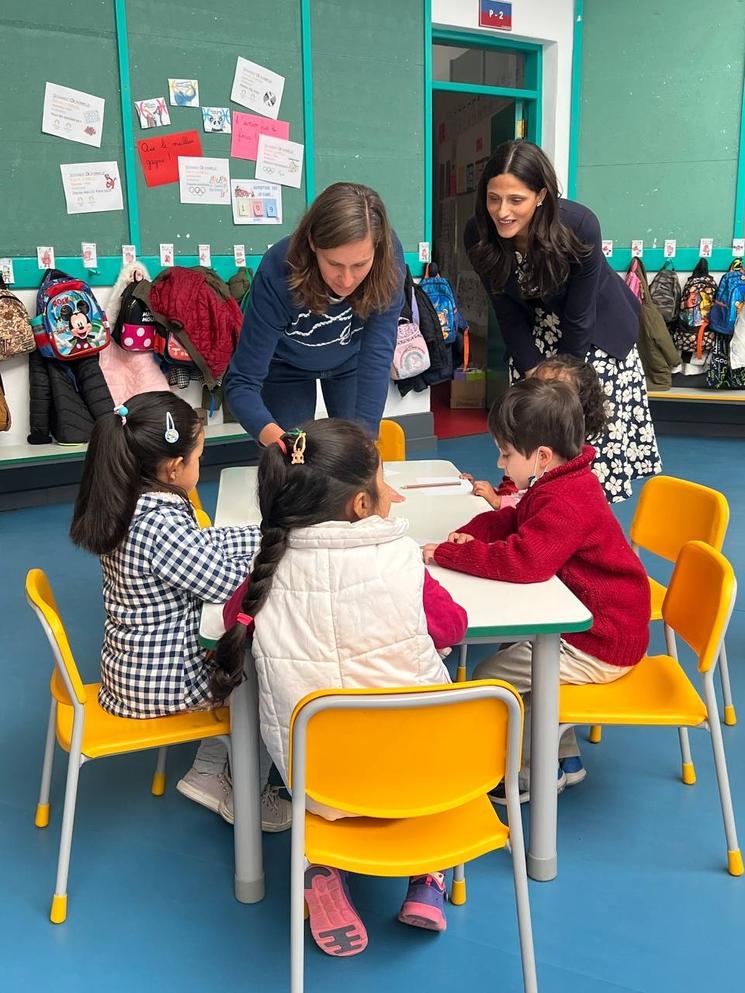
(183, 92)
(159, 155)
(166, 253)
(153, 113)
(91, 187)
(216, 119)
(89, 254)
(45, 256)
(6, 269)
(279, 161)
(246, 130)
(204, 180)
(72, 114)
(257, 88)
(256, 202)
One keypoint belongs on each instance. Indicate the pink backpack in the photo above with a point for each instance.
(411, 355)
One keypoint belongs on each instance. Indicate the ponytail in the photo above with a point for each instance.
(127, 448)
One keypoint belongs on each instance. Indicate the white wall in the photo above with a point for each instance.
(550, 22)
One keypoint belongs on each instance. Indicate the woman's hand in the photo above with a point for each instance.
(428, 553)
(459, 538)
(269, 434)
(485, 489)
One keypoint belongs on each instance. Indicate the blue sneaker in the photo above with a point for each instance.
(498, 794)
(424, 905)
(573, 768)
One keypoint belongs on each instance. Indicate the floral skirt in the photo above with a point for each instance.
(628, 449)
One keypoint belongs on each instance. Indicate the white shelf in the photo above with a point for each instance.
(682, 394)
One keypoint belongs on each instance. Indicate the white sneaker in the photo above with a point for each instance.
(208, 789)
(276, 813)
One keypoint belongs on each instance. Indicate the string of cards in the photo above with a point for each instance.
(705, 248)
(177, 158)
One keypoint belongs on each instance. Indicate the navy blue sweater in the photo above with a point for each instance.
(276, 329)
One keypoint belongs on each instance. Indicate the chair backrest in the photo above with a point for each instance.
(66, 682)
(203, 518)
(672, 512)
(391, 442)
(699, 600)
(405, 752)
(195, 499)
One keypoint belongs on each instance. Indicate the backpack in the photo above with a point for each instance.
(720, 375)
(692, 332)
(440, 292)
(664, 291)
(135, 329)
(4, 409)
(69, 322)
(16, 336)
(729, 300)
(656, 349)
(199, 315)
(440, 354)
(410, 356)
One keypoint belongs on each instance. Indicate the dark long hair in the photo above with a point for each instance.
(340, 461)
(552, 246)
(122, 462)
(343, 213)
(584, 379)
(537, 412)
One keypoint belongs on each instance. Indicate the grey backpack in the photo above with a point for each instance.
(664, 291)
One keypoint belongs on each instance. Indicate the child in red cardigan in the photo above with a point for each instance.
(562, 526)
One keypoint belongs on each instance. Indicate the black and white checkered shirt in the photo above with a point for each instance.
(154, 585)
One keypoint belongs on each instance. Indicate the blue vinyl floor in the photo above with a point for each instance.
(642, 902)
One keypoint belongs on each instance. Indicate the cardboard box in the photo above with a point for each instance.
(468, 389)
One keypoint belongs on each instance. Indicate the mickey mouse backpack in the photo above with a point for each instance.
(69, 322)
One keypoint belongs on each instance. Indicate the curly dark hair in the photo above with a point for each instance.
(582, 376)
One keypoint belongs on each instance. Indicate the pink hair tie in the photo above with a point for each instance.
(245, 619)
(282, 446)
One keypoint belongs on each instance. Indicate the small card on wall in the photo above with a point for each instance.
(705, 247)
(166, 254)
(246, 130)
(205, 255)
(607, 246)
(129, 254)
(255, 202)
(6, 268)
(183, 92)
(89, 254)
(72, 114)
(153, 113)
(239, 254)
(671, 247)
(637, 248)
(424, 252)
(216, 119)
(91, 186)
(204, 180)
(738, 247)
(279, 161)
(45, 256)
(257, 88)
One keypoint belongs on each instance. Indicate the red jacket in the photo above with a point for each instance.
(563, 526)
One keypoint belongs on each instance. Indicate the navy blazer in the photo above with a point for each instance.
(595, 307)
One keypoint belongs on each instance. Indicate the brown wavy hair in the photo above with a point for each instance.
(344, 212)
(582, 376)
(552, 246)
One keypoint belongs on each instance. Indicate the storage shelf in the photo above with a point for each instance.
(679, 393)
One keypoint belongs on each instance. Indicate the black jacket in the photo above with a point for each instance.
(595, 307)
(66, 398)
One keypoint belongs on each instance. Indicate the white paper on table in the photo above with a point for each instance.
(91, 187)
(72, 114)
(257, 88)
(256, 202)
(204, 180)
(279, 161)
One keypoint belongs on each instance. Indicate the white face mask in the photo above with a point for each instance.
(533, 479)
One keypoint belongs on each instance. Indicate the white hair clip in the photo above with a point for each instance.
(171, 435)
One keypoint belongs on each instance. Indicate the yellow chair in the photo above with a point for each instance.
(657, 692)
(203, 518)
(86, 731)
(391, 442)
(670, 513)
(422, 808)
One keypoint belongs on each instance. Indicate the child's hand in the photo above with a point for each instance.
(428, 553)
(466, 475)
(484, 489)
(459, 538)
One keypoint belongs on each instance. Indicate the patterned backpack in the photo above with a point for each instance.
(664, 291)
(729, 300)
(440, 292)
(135, 328)
(410, 356)
(692, 332)
(16, 336)
(69, 322)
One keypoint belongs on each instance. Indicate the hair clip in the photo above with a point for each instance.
(122, 411)
(282, 446)
(171, 434)
(298, 449)
(245, 619)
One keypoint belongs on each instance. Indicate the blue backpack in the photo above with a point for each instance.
(69, 322)
(440, 292)
(729, 300)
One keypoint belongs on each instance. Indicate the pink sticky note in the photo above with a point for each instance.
(244, 142)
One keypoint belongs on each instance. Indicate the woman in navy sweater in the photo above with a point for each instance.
(541, 262)
(324, 306)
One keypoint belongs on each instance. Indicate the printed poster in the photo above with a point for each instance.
(91, 187)
(255, 202)
(73, 115)
(279, 161)
(257, 88)
(204, 180)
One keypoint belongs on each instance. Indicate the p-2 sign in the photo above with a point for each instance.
(497, 16)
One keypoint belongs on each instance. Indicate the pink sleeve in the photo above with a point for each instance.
(446, 620)
(510, 499)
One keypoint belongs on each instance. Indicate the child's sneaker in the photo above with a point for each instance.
(573, 768)
(206, 788)
(276, 813)
(334, 923)
(424, 905)
(498, 794)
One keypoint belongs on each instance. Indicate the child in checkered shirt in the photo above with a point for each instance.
(159, 567)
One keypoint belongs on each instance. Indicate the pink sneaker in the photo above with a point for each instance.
(334, 923)
(424, 905)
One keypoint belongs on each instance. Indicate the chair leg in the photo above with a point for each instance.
(158, 786)
(522, 902)
(596, 734)
(460, 674)
(41, 820)
(734, 856)
(730, 717)
(297, 898)
(458, 887)
(58, 912)
(688, 772)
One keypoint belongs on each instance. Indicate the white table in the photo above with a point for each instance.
(497, 611)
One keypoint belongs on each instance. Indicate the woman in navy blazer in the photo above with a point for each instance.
(541, 262)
